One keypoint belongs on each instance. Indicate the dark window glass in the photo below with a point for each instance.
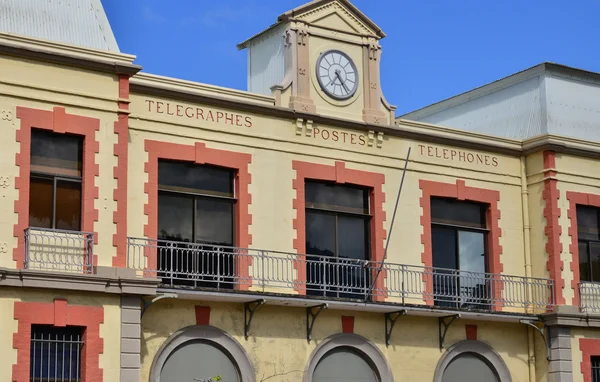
(175, 217)
(55, 183)
(459, 213)
(55, 353)
(337, 240)
(41, 202)
(334, 197)
(196, 225)
(56, 154)
(595, 369)
(190, 178)
(320, 233)
(214, 221)
(458, 238)
(68, 205)
(589, 243)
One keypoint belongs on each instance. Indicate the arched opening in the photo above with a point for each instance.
(347, 357)
(199, 361)
(468, 367)
(471, 361)
(199, 353)
(344, 364)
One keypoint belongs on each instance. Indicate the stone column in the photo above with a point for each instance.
(131, 320)
(560, 367)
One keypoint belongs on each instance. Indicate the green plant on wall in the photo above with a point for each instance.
(216, 378)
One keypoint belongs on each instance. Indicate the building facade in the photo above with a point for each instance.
(155, 229)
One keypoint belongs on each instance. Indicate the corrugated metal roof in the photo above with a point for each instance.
(76, 22)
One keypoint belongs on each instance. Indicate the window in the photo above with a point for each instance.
(199, 352)
(195, 224)
(55, 183)
(199, 361)
(344, 364)
(595, 369)
(337, 240)
(471, 361)
(347, 357)
(469, 367)
(459, 237)
(589, 243)
(55, 353)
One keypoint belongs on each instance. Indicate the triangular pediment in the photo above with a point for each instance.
(335, 14)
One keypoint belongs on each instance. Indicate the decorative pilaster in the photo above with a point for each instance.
(298, 40)
(372, 112)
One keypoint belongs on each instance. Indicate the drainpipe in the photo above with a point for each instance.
(527, 252)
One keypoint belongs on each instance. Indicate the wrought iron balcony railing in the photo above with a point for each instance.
(589, 297)
(183, 264)
(59, 250)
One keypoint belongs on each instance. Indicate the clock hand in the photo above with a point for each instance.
(337, 73)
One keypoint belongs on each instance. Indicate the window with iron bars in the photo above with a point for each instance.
(55, 353)
(595, 369)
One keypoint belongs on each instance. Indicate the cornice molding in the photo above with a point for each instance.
(63, 54)
(110, 281)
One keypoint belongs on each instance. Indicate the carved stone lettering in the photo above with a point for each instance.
(459, 155)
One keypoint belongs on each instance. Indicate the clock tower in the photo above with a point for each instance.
(322, 57)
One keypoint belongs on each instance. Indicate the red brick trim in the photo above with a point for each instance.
(59, 314)
(340, 174)
(471, 332)
(553, 230)
(589, 347)
(58, 121)
(461, 192)
(347, 324)
(200, 154)
(120, 150)
(202, 315)
(577, 198)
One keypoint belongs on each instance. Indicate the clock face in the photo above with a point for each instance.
(337, 74)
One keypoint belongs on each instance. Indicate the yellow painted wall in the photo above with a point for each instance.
(278, 342)
(576, 335)
(274, 144)
(534, 165)
(43, 86)
(579, 175)
(110, 330)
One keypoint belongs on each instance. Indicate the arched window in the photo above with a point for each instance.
(471, 361)
(345, 357)
(200, 353)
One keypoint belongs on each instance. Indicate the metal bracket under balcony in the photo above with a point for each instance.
(311, 316)
(249, 309)
(443, 326)
(542, 333)
(147, 303)
(390, 322)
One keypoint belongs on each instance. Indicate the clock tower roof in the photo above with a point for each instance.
(327, 12)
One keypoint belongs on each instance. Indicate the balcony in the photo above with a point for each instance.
(191, 266)
(58, 250)
(589, 297)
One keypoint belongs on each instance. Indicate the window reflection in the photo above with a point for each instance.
(55, 182)
(337, 240)
(195, 225)
(458, 238)
(589, 243)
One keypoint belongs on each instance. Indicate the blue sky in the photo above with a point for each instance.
(434, 49)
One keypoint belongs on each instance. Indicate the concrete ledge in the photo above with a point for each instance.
(108, 282)
(571, 317)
